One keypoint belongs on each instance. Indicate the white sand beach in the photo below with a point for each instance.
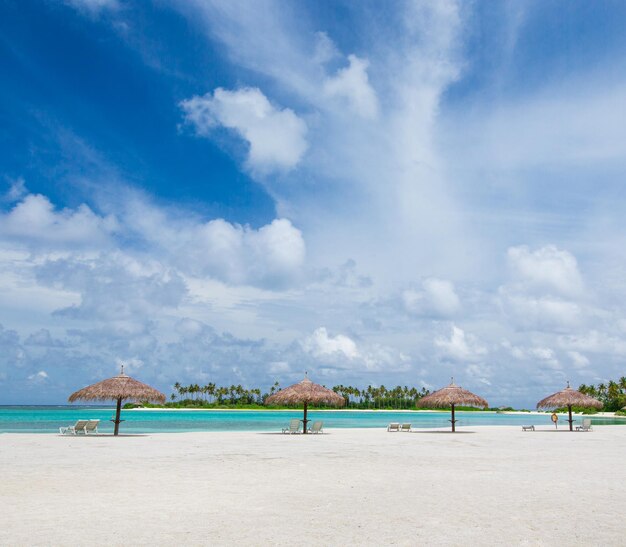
(490, 486)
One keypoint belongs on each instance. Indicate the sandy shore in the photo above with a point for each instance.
(493, 486)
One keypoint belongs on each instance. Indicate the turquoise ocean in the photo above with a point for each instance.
(48, 419)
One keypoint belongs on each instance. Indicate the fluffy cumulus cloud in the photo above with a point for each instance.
(340, 354)
(460, 346)
(351, 84)
(547, 269)
(36, 222)
(321, 344)
(437, 297)
(271, 255)
(545, 289)
(276, 137)
(239, 254)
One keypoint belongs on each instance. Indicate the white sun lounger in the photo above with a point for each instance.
(405, 427)
(586, 425)
(294, 426)
(528, 428)
(78, 427)
(393, 427)
(316, 427)
(92, 427)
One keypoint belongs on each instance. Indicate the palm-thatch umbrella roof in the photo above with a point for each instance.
(568, 398)
(449, 397)
(306, 392)
(118, 388)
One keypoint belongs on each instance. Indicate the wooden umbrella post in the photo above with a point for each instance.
(117, 420)
(569, 408)
(305, 421)
(453, 420)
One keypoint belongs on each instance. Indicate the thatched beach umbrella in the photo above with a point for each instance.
(569, 397)
(308, 393)
(450, 396)
(118, 388)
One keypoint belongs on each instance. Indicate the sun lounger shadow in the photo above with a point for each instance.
(447, 432)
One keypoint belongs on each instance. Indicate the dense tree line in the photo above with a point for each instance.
(612, 394)
(370, 397)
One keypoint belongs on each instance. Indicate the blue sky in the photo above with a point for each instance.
(374, 193)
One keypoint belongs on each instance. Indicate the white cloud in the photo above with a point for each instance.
(35, 221)
(544, 312)
(352, 85)
(112, 286)
(545, 290)
(40, 376)
(333, 354)
(276, 137)
(596, 342)
(437, 297)
(321, 344)
(270, 256)
(546, 269)
(460, 346)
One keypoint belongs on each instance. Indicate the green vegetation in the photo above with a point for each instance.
(235, 397)
(575, 409)
(612, 395)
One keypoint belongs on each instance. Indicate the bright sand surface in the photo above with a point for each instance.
(491, 486)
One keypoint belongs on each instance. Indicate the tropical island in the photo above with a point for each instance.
(212, 396)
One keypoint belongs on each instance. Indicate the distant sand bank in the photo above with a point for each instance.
(493, 486)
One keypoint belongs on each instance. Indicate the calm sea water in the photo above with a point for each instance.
(48, 419)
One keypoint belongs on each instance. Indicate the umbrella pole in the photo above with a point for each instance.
(569, 408)
(305, 420)
(118, 411)
(453, 420)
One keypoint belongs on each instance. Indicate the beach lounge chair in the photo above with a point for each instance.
(393, 427)
(294, 426)
(586, 425)
(316, 427)
(78, 427)
(528, 428)
(405, 427)
(92, 427)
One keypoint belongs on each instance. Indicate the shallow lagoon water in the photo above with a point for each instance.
(48, 419)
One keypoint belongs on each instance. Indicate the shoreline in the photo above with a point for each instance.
(372, 410)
